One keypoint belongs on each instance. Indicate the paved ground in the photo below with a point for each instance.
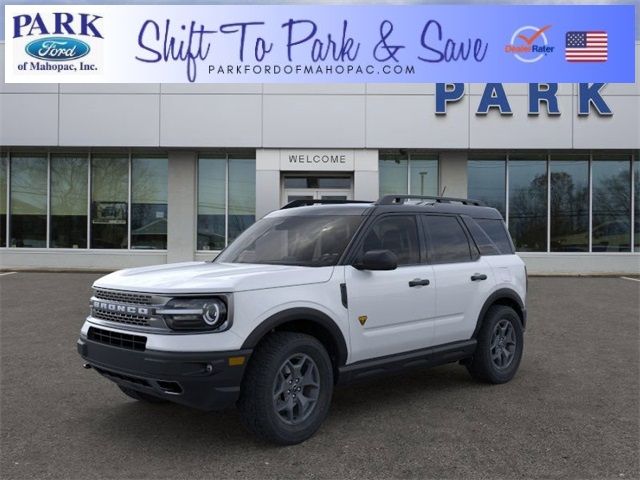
(571, 412)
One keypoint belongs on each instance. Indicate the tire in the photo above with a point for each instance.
(286, 365)
(500, 345)
(140, 396)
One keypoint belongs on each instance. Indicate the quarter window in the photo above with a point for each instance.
(398, 234)
(448, 241)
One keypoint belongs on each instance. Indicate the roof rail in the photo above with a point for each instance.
(302, 202)
(400, 199)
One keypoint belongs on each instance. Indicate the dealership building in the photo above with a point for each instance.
(103, 177)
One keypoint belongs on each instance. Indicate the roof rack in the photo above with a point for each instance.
(302, 202)
(400, 199)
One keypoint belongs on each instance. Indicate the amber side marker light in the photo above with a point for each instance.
(236, 361)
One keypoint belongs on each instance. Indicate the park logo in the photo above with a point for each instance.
(56, 40)
(529, 44)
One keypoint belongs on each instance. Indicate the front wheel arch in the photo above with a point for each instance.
(304, 320)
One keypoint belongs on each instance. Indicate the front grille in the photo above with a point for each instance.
(124, 297)
(126, 318)
(117, 339)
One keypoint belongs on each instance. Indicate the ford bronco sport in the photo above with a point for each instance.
(316, 294)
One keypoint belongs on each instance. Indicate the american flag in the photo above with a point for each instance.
(586, 47)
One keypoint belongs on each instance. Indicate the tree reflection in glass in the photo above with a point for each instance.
(569, 203)
(611, 225)
(28, 223)
(109, 201)
(528, 203)
(149, 186)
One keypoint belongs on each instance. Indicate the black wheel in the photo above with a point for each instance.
(287, 388)
(500, 344)
(141, 396)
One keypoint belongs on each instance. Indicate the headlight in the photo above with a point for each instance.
(196, 314)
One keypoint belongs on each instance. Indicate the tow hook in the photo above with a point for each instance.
(86, 366)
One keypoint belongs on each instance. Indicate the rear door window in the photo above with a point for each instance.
(497, 232)
(447, 240)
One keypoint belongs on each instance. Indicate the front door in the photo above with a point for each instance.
(391, 311)
(316, 188)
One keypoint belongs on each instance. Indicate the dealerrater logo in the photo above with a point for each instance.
(57, 40)
(529, 44)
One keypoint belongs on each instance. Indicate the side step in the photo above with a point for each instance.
(426, 357)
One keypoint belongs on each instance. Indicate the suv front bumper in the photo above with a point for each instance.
(203, 380)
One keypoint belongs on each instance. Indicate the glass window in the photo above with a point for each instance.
(397, 233)
(109, 201)
(423, 172)
(68, 201)
(446, 238)
(393, 174)
(569, 203)
(28, 201)
(486, 181)
(497, 233)
(149, 184)
(611, 210)
(636, 192)
(211, 203)
(242, 195)
(528, 202)
(3, 200)
(485, 245)
(312, 241)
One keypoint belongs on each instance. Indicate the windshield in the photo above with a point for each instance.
(310, 241)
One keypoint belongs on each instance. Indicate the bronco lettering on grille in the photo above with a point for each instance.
(114, 307)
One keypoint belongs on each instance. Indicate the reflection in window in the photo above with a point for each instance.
(393, 174)
(636, 192)
(486, 181)
(449, 243)
(109, 201)
(149, 183)
(211, 203)
(569, 203)
(242, 195)
(28, 201)
(528, 203)
(398, 171)
(68, 201)
(423, 175)
(3, 200)
(611, 224)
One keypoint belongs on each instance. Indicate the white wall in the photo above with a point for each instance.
(306, 116)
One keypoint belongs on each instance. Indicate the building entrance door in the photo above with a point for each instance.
(316, 188)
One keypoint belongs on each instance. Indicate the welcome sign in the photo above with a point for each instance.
(319, 44)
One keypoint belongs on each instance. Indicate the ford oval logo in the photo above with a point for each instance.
(57, 49)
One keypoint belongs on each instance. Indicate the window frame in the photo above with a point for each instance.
(226, 156)
(90, 153)
(354, 251)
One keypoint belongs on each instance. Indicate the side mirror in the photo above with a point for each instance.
(377, 260)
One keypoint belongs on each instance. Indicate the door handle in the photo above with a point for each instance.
(478, 276)
(418, 282)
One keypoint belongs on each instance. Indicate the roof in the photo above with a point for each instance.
(391, 204)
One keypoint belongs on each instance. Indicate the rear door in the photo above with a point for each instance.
(391, 311)
(463, 279)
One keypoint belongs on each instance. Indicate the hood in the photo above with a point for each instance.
(206, 277)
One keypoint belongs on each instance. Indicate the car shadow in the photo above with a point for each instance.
(172, 427)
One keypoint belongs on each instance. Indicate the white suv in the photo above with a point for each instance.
(310, 296)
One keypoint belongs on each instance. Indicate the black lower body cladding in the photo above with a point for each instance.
(202, 380)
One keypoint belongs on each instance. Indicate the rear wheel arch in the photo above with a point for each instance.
(506, 297)
(304, 320)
